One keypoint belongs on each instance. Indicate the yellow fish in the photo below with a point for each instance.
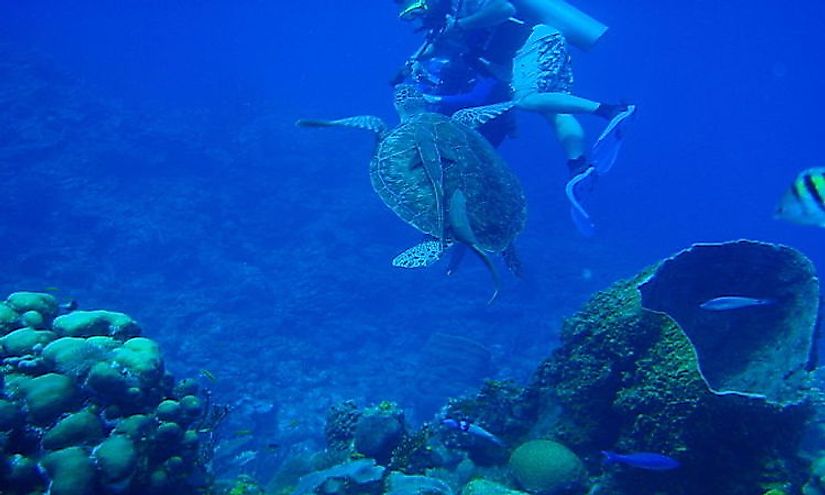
(804, 201)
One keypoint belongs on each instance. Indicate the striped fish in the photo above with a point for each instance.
(804, 201)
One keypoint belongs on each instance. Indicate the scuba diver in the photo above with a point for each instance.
(514, 47)
(462, 65)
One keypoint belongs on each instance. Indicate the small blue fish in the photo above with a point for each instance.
(472, 429)
(727, 303)
(643, 460)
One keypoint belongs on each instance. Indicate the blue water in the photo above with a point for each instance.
(149, 164)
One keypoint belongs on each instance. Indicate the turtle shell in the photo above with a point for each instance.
(494, 196)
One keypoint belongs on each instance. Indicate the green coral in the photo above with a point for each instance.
(81, 428)
(91, 323)
(24, 341)
(48, 396)
(71, 471)
(75, 356)
(45, 304)
(486, 487)
(9, 318)
(546, 466)
(140, 357)
(116, 458)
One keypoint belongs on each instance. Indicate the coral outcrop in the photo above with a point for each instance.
(88, 408)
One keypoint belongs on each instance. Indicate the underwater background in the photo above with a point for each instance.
(149, 164)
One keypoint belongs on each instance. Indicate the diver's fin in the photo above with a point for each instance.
(476, 117)
(607, 146)
(419, 256)
(581, 219)
(431, 160)
(463, 231)
(368, 122)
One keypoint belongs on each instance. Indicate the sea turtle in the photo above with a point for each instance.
(444, 178)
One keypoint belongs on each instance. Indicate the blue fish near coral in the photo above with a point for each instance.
(475, 430)
(727, 303)
(642, 460)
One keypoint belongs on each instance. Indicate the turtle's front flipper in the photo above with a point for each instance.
(368, 122)
(419, 256)
(431, 160)
(476, 117)
(463, 231)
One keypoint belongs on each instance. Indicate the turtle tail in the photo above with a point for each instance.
(493, 272)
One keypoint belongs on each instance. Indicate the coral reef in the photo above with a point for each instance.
(628, 379)
(87, 406)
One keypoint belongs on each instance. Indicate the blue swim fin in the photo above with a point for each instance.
(606, 149)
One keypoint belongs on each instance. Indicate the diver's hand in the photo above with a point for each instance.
(432, 99)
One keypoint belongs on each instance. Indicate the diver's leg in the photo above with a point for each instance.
(557, 103)
(571, 137)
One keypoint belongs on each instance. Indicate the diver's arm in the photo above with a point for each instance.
(493, 13)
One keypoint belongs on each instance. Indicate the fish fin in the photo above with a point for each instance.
(609, 457)
(420, 256)
(463, 231)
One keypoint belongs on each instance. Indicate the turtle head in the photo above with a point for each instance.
(408, 100)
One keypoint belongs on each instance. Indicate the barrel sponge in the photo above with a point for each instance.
(116, 458)
(140, 357)
(89, 323)
(546, 466)
(75, 356)
(81, 428)
(45, 304)
(23, 341)
(71, 472)
(48, 396)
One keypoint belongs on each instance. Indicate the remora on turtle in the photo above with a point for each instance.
(441, 176)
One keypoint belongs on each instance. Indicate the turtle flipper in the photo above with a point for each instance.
(463, 231)
(476, 117)
(511, 259)
(431, 160)
(368, 122)
(419, 256)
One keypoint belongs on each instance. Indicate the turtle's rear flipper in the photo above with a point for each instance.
(455, 259)
(419, 256)
(512, 261)
(368, 122)
(463, 231)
